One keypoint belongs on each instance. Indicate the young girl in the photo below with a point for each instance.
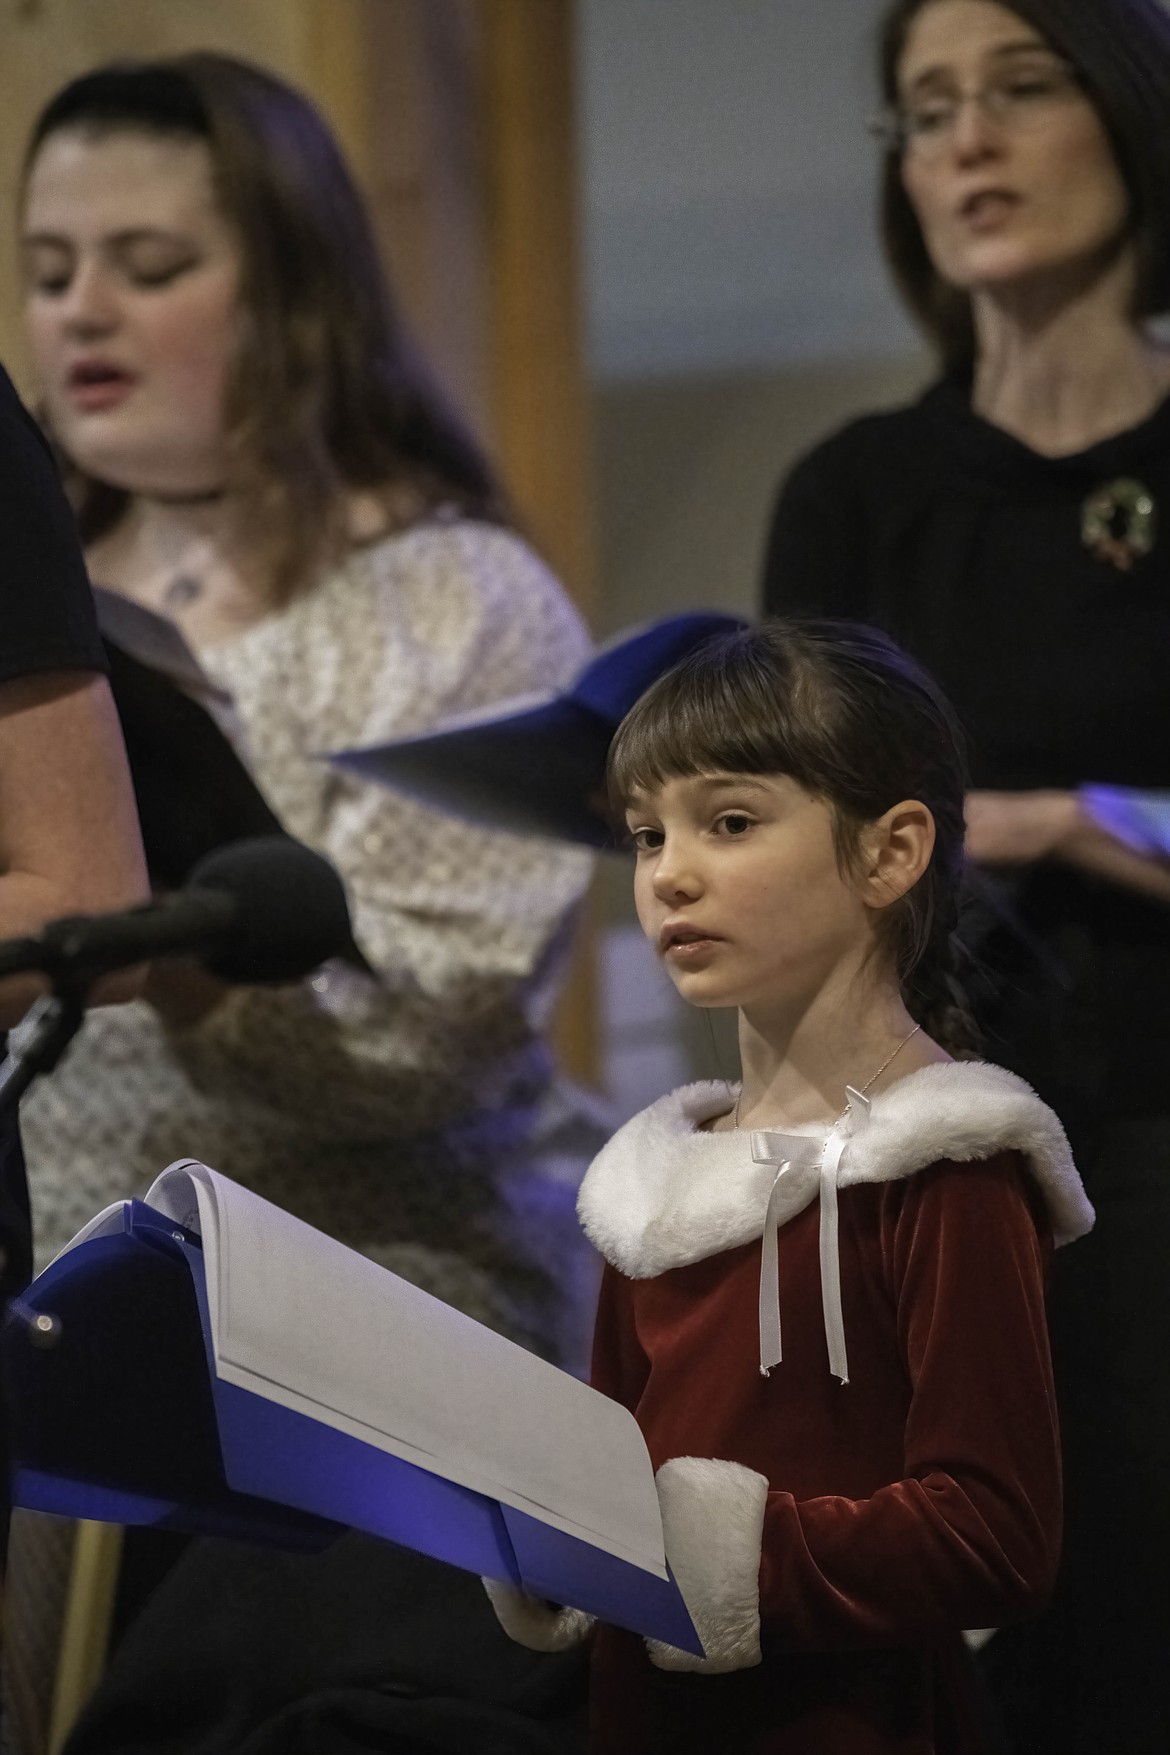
(824, 1290)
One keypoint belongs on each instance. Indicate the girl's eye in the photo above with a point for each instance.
(144, 275)
(734, 823)
(47, 271)
(647, 840)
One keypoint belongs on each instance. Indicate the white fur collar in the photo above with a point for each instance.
(662, 1193)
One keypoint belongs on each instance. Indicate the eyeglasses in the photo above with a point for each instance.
(1018, 100)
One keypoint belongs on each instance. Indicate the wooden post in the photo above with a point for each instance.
(89, 1614)
(538, 395)
(538, 391)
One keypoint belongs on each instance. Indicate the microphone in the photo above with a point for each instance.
(267, 909)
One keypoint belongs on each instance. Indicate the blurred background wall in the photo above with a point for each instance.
(737, 310)
(737, 302)
(637, 238)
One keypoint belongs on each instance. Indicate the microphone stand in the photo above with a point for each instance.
(53, 1021)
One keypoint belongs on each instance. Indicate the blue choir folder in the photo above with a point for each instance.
(1140, 818)
(536, 764)
(217, 1365)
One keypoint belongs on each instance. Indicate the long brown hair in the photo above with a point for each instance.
(327, 394)
(1120, 52)
(842, 710)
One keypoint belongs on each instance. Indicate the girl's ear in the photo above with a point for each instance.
(895, 851)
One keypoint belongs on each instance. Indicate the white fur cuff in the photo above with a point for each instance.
(713, 1522)
(534, 1623)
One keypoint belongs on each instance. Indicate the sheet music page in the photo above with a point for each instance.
(307, 1322)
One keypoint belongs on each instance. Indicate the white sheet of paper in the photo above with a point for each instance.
(308, 1323)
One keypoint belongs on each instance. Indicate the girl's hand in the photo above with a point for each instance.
(1018, 828)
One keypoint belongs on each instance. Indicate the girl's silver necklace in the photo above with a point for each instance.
(890, 1058)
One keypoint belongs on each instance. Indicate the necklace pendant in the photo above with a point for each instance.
(855, 1101)
(1119, 523)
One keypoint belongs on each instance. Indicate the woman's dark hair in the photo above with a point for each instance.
(839, 708)
(1120, 50)
(326, 393)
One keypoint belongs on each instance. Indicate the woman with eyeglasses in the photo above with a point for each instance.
(1013, 529)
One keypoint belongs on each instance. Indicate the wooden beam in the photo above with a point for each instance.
(538, 397)
(538, 390)
(89, 1614)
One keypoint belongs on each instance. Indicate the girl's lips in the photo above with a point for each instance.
(688, 947)
(92, 388)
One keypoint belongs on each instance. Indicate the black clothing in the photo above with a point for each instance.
(967, 547)
(192, 792)
(260, 1653)
(45, 600)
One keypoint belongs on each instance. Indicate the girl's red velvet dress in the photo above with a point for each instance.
(841, 1535)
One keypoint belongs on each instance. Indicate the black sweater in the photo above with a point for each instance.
(967, 547)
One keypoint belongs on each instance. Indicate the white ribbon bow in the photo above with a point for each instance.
(805, 1165)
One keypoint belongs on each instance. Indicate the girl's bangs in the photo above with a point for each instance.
(720, 711)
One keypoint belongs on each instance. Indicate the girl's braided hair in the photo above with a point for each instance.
(843, 711)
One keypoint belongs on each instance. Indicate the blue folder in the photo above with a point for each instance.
(1138, 816)
(125, 1420)
(537, 765)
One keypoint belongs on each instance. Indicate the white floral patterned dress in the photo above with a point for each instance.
(397, 1112)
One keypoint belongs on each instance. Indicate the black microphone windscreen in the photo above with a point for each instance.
(291, 912)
